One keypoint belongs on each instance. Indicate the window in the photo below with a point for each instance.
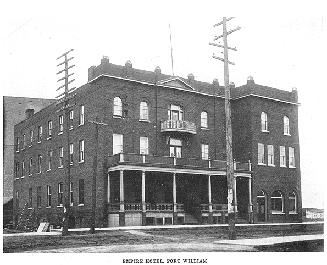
(117, 143)
(31, 137)
(175, 113)
(175, 148)
(23, 169)
(71, 194)
(118, 107)
(261, 154)
(81, 115)
(61, 156)
(144, 145)
(71, 120)
(286, 125)
(204, 119)
(16, 169)
(264, 122)
(81, 151)
(38, 197)
(49, 129)
(39, 134)
(17, 200)
(61, 124)
(277, 202)
(71, 154)
(205, 151)
(81, 192)
(292, 202)
(48, 196)
(50, 153)
(282, 156)
(271, 159)
(39, 163)
(144, 111)
(24, 141)
(60, 193)
(30, 165)
(291, 157)
(30, 196)
(17, 144)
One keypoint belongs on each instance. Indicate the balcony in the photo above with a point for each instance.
(178, 126)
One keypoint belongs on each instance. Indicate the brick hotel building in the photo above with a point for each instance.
(161, 156)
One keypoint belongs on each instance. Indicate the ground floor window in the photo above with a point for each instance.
(277, 202)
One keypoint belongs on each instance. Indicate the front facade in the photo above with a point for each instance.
(158, 154)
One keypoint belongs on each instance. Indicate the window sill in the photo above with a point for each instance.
(29, 146)
(287, 134)
(60, 133)
(264, 131)
(282, 166)
(48, 170)
(61, 167)
(205, 128)
(81, 204)
(147, 121)
(79, 125)
(39, 142)
(38, 173)
(117, 117)
(60, 206)
(17, 151)
(49, 138)
(72, 204)
(81, 162)
(23, 149)
(30, 208)
(271, 165)
(48, 207)
(16, 178)
(22, 177)
(292, 212)
(71, 128)
(261, 164)
(276, 213)
(291, 167)
(71, 164)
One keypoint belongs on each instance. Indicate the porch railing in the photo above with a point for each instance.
(167, 161)
(137, 206)
(215, 207)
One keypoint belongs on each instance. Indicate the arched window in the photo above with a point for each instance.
(118, 108)
(144, 111)
(277, 202)
(292, 202)
(286, 125)
(264, 122)
(204, 119)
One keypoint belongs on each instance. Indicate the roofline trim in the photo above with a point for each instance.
(274, 99)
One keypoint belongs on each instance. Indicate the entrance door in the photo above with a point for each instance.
(261, 206)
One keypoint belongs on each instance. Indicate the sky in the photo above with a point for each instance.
(281, 44)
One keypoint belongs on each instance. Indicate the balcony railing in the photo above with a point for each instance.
(167, 161)
(178, 126)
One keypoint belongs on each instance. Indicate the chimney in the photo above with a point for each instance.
(215, 85)
(91, 72)
(29, 113)
(250, 80)
(157, 72)
(190, 78)
(128, 68)
(231, 85)
(105, 60)
(294, 93)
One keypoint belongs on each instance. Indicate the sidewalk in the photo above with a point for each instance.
(270, 240)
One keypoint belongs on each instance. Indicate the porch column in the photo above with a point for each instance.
(174, 200)
(210, 218)
(122, 200)
(235, 193)
(108, 187)
(250, 208)
(143, 199)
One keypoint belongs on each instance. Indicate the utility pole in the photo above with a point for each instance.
(65, 98)
(230, 163)
(95, 172)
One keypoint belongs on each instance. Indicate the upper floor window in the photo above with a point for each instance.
(61, 124)
(71, 154)
(81, 192)
(291, 157)
(39, 163)
(61, 156)
(50, 153)
(292, 202)
(264, 122)
(204, 119)
(144, 145)
(175, 113)
(60, 194)
(286, 126)
(282, 156)
(277, 202)
(117, 143)
(39, 134)
(118, 107)
(48, 196)
(144, 111)
(16, 169)
(271, 156)
(49, 129)
(81, 115)
(175, 147)
(31, 137)
(24, 141)
(30, 165)
(23, 168)
(17, 144)
(38, 196)
(205, 151)
(81, 153)
(71, 119)
(71, 194)
(261, 154)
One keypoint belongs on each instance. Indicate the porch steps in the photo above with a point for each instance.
(190, 219)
